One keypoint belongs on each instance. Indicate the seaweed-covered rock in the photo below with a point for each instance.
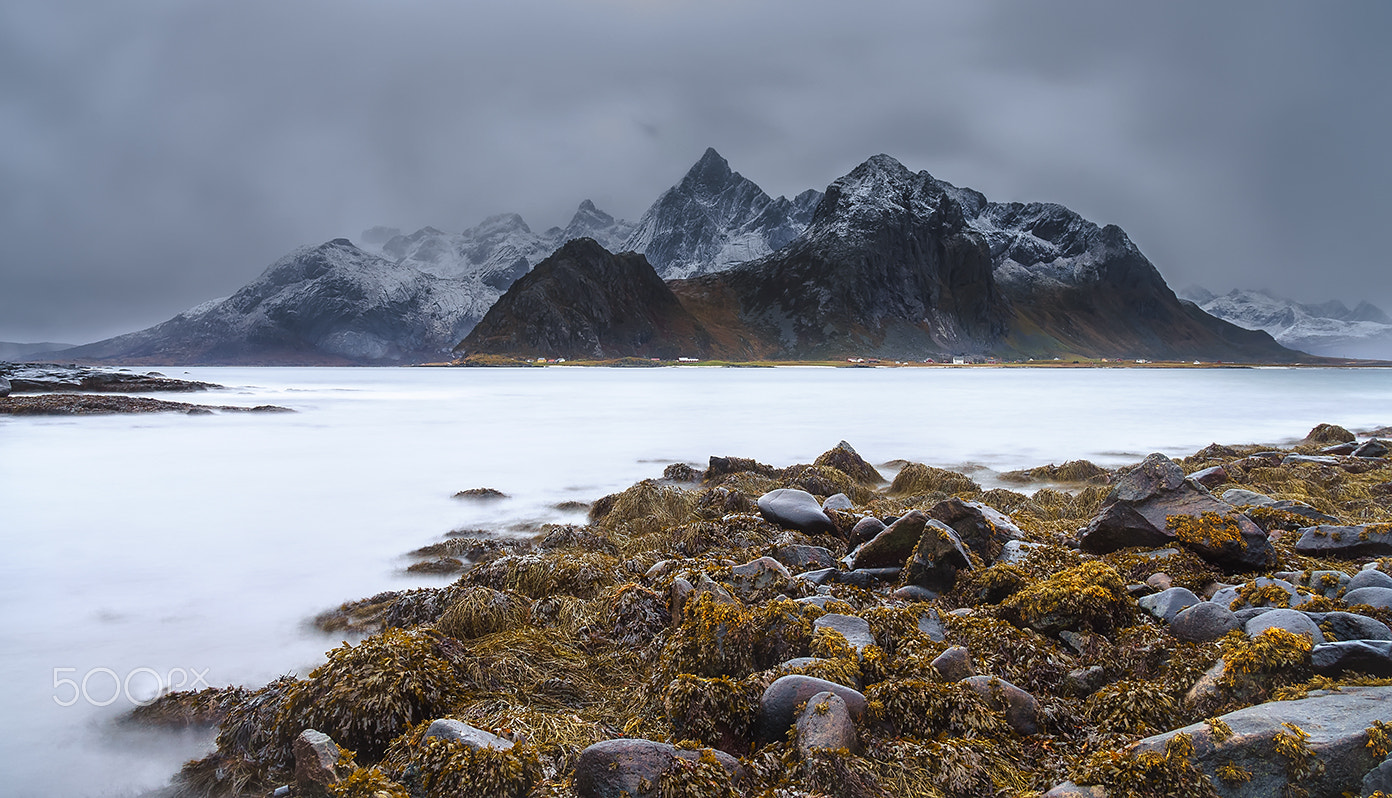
(1330, 433)
(1260, 592)
(825, 722)
(798, 557)
(1345, 542)
(1020, 708)
(1364, 656)
(983, 529)
(778, 706)
(759, 574)
(633, 768)
(795, 509)
(1154, 505)
(892, 546)
(855, 630)
(1292, 621)
(316, 756)
(1351, 626)
(1316, 743)
(917, 479)
(1166, 604)
(1088, 597)
(936, 560)
(845, 459)
(954, 664)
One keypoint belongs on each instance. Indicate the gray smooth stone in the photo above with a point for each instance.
(1379, 597)
(795, 509)
(1166, 604)
(1203, 622)
(855, 630)
(449, 729)
(1370, 577)
(1293, 621)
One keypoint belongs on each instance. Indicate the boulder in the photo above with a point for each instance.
(1309, 459)
(1020, 708)
(1014, 552)
(1210, 477)
(1166, 604)
(954, 664)
(1160, 581)
(1368, 577)
(316, 756)
(1203, 622)
(982, 529)
(448, 729)
(1068, 789)
(825, 722)
(930, 626)
(1330, 584)
(5, 387)
(855, 630)
(1153, 505)
(1330, 433)
(1274, 593)
(837, 501)
(936, 559)
(1378, 780)
(759, 574)
(865, 530)
(1378, 597)
(1335, 722)
(1364, 656)
(633, 768)
(1293, 621)
(779, 704)
(914, 593)
(1351, 626)
(892, 546)
(1241, 497)
(1340, 448)
(1372, 448)
(803, 558)
(791, 508)
(844, 458)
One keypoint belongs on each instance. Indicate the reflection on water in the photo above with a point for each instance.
(172, 544)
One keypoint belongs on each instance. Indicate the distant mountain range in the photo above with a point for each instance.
(886, 263)
(1330, 329)
(893, 264)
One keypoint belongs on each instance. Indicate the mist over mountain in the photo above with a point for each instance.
(1330, 328)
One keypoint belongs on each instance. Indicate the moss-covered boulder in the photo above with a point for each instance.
(1090, 597)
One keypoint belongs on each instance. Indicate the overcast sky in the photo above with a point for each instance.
(158, 153)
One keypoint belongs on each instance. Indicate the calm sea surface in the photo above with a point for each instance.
(149, 551)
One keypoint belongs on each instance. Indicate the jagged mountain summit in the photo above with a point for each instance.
(325, 305)
(585, 302)
(1330, 329)
(715, 218)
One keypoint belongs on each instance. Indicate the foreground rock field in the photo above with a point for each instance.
(1211, 626)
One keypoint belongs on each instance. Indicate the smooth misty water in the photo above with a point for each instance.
(140, 545)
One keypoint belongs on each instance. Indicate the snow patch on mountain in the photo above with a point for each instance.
(1330, 328)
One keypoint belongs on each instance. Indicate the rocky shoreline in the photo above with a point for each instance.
(74, 390)
(1211, 626)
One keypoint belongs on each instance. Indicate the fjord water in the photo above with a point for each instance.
(196, 548)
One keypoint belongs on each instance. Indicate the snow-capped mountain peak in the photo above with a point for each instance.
(1328, 329)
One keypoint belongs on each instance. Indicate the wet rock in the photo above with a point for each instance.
(1240, 497)
(936, 559)
(930, 625)
(1203, 622)
(1068, 789)
(844, 458)
(892, 546)
(954, 664)
(982, 529)
(826, 723)
(1340, 448)
(865, 530)
(803, 558)
(778, 706)
(818, 600)
(4, 387)
(1372, 657)
(1345, 542)
(1372, 448)
(1309, 459)
(1160, 581)
(915, 593)
(756, 575)
(1020, 708)
(458, 731)
(855, 630)
(794, 509)
(1140, 509)
(1248, 613)
(1379, 779)
(1083, 682)
(837, 501)
(724, 466)
(1369, 577)
(1335, 722)
(1014, 552)
(1166, 604)
(1262, 592)
(316, 755)
(1351, 626)
(1210, 477)
(1330, 584)
(1292, 621)
(681, 472)
(633, 768)
(1377, 597)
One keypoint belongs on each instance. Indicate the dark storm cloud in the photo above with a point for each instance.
(154, 154)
